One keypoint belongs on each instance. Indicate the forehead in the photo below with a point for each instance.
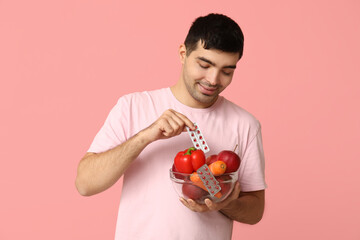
(214, 55)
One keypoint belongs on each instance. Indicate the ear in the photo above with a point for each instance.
(182, 53)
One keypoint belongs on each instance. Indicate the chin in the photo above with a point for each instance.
(207, 99)
(200, 97)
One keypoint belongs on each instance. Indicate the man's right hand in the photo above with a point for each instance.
(99, 171)
(169, 124)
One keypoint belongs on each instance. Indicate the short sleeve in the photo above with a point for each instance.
(252, 167)
(112, 133)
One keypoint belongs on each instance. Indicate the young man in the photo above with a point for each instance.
(144, 131)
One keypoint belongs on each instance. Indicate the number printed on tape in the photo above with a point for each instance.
(198, 139)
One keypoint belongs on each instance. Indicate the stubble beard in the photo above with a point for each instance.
(198, 96)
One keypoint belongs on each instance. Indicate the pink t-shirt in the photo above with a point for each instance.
(149, 206)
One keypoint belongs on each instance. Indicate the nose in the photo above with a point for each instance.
(213, 77)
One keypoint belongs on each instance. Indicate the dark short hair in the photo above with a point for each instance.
(215, 31)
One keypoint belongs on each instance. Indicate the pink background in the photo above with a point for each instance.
(63, 65)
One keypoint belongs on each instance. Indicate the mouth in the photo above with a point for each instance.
(206, 90)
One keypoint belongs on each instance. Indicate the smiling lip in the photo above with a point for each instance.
(206, 90)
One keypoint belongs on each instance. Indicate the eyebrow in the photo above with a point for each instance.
(213, 64)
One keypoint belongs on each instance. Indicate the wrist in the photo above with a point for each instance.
(144, 137)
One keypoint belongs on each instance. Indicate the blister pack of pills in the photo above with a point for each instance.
(198, 139)
(209, 180)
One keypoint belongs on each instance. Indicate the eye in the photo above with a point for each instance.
(203, 66)
(227, 73)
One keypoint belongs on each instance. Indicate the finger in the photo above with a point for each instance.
(191, 203)
(177, 124)
(188, 204)
(237, 190)
(197, 207)
(166, 128)
(218, 206)
(183, 201)
(210, 204)
(186, 120)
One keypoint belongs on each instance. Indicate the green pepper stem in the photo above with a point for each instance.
(190, 150)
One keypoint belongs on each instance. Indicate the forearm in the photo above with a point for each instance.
(248, 208)
(99, 171)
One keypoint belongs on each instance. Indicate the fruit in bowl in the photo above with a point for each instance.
(187, 186)
(193, 175)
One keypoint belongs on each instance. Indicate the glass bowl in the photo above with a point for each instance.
(186, 189)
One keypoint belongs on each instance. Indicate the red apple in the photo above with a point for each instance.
(210, 159)
(193, 192)
(231, 159)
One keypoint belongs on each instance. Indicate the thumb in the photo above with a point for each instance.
(237, 189)
(235, 193)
